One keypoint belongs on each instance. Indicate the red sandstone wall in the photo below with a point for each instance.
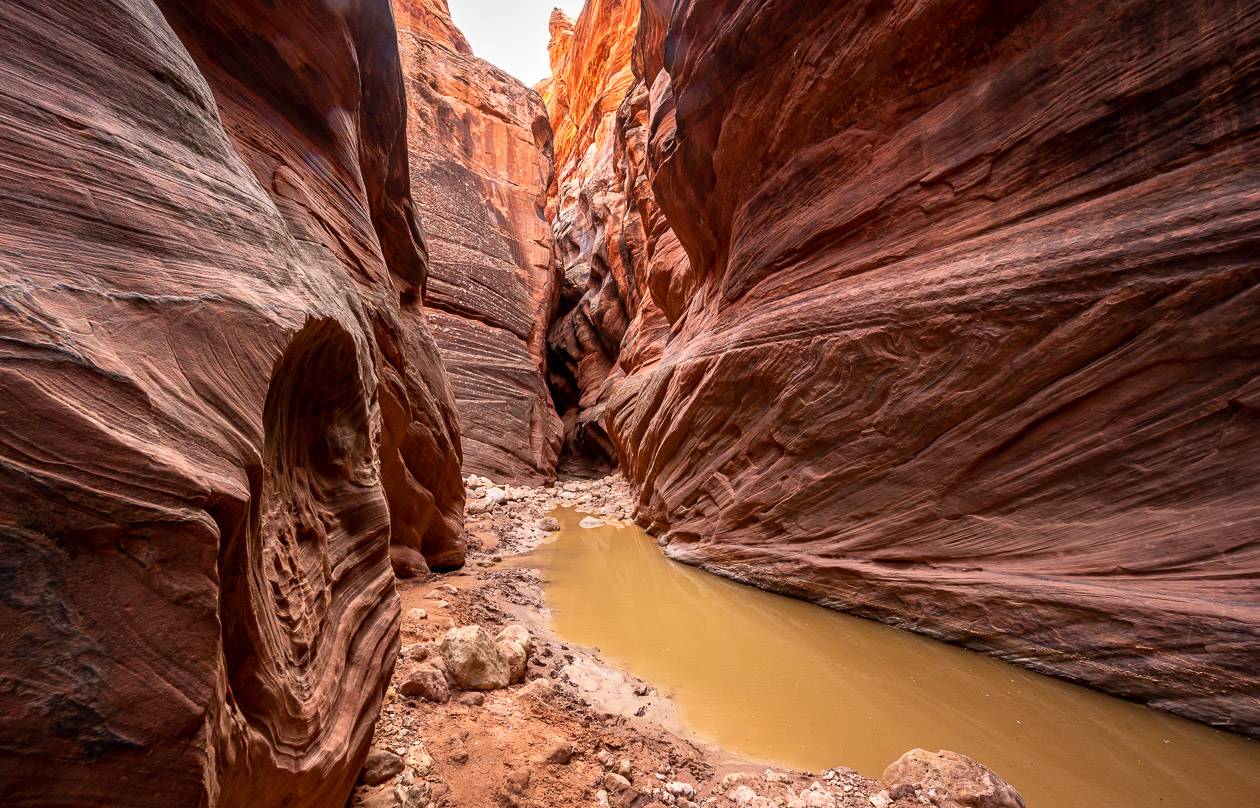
(623, 271)
(480, 165)
(972, 346)
(215, 411)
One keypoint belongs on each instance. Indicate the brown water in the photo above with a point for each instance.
(799, 685)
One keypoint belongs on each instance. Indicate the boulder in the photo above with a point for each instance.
(473, 660)
(958, 781)
(549, 523)
(428, 683)
(514, 644)
(407, 561)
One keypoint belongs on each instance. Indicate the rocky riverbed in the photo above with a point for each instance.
(488, 708)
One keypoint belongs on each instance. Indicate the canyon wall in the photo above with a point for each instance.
(964, 337)
(480, 165)
(218, 399)
(608, 231)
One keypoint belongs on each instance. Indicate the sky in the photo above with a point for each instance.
(511, 34)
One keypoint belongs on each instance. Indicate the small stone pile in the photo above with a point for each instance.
(466, 659)
(504, 520)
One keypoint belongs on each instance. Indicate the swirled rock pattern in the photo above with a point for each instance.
(214, 409)
(616, 253)
(480, 165)
(973, 344)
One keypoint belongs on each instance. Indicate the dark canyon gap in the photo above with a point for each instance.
(965, 337)
(218, 399)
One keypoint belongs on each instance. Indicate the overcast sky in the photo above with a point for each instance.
(511, 34)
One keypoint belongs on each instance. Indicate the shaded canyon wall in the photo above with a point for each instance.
(219, 399)
(480, 164)
(964, 338)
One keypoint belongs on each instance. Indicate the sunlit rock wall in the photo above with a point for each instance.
(615, 251)
(214, 409)
(973, 346)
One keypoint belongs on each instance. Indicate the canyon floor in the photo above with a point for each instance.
(576, 731)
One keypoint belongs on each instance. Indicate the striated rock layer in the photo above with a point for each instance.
(480, 165)
(971, 344)
(214, 409)
(615, 251)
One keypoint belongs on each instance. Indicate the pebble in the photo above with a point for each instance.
(680, 789)
(419, 760)
(517, 781)
(559, 752)
(381, 766)
(615, 783)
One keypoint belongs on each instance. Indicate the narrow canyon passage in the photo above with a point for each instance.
(763, 403)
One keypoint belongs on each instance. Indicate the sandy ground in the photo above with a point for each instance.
(577, 732)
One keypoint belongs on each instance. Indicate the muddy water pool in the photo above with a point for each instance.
(795, 684)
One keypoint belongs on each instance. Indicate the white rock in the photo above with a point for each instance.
(741, 795)
(541, 689)
(416, 615)
(816, 799)
(514, 644)
(679, 789)
(590, 522)
(473, 660)
(419, 759)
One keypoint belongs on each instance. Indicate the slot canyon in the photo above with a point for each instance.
(777, 387)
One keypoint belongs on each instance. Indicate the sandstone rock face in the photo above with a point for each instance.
(956, 780)
(480, 165)
(213, 408)
(970, 342)
(605, 224)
